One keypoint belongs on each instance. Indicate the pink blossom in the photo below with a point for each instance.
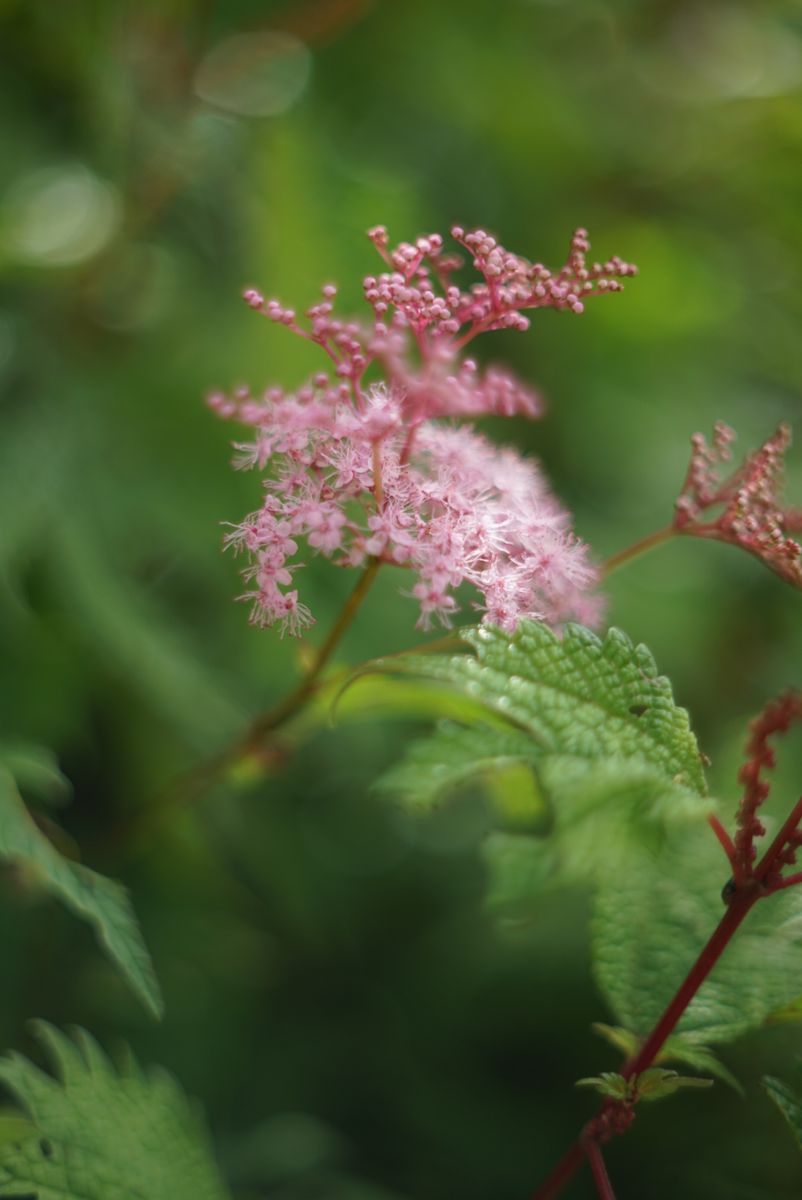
(380, 471)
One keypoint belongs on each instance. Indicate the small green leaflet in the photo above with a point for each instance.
(788, 1101)
(653, 918)
(99, 1132)
(652, 1084)
(102, 902)
(656, 1082)
(676, 1049)
(590, 719)
(609, 1084)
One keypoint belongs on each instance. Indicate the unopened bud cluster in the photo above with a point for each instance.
(746, 507)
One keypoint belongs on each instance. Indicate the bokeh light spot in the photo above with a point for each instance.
(59, 216)
(727, 53)
(255, 74)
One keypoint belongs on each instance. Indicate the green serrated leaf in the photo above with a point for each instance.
(609, 1083)
(578, 695)
(656, 1083)
(101, 1132)
(596, 723)
(652, 920)
(102, 902)
(789, 1102)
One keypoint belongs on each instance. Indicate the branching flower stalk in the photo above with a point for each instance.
(744, 508)
(751, 882)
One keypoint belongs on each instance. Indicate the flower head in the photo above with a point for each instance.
(378, 470)
(748, 502)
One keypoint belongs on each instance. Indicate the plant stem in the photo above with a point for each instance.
(736, 911)
(600, 1176)
(726, 842)
(566, 1168)
(143, 822)
(637, 548)
(769, 859)
(292, 703)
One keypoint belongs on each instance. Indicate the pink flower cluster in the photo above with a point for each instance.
(365, 461)
(747, 504)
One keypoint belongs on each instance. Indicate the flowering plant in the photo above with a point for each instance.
(364, 467)
(590, 770)
(367, 463)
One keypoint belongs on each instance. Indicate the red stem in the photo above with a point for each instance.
(737, 909)
(600, 1176)
(750, 886)
(727, 844)
(739, 906)
(566, 1168)
(780, 842)
(786, 883)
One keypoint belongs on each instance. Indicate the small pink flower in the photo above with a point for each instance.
(325, 525)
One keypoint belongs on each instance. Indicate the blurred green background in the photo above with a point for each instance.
(356, 1023)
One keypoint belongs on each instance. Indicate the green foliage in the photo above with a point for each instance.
(789, 1102)
(14, 1128)
(655, 1083)
(579, 734)
(681, 1049)
(102, 902)
(128, 627)
(101, 1132)
(578, 696)
(122, 648)
(455, 754)
(35, 769)
(368, 695)
(609, 1083)
(677, 1048)
(653, 919)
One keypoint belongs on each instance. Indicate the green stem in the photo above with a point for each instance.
(291, 704)
(621, 557)
(186, 788)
